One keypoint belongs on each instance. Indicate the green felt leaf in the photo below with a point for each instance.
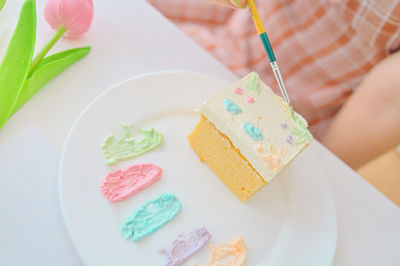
(17, 59)
(46, 70)
(2, 2)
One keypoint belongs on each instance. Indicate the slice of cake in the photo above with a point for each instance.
(247, 135)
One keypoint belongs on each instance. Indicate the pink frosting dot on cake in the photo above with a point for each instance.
(238, 91)
(250, 99)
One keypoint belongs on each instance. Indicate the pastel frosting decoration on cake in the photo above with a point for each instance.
(252, 131)
(122, 184)
(254, 83)
(230, 106)
(126, 147)
(184, 246)
(150, 217)
(228, 254)
(247, 149)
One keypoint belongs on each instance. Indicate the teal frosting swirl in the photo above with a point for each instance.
(150, 217)
(252, 131)
(232, 107)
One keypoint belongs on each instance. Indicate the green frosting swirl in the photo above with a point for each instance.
(127, 147)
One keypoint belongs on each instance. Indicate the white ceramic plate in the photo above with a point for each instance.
(291, 221)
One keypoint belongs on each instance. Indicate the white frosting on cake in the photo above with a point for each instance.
(269, 114)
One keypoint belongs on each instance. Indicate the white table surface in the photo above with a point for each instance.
(128, 38)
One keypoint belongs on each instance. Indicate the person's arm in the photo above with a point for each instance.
(369, 123)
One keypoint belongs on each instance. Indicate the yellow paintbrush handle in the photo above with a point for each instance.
(268, 48)
(256, 17)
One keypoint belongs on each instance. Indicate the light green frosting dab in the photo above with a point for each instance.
(254, 83)
(127, 147)
(301, 132)
(150, 217)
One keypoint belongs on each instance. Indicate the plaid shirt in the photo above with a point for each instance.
(324, 48)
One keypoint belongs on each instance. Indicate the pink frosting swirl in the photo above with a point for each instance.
(121, 184)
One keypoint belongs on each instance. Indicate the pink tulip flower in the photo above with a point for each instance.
(72, 17)
(75, 15)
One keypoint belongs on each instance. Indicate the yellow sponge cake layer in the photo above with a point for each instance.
(218, 152)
